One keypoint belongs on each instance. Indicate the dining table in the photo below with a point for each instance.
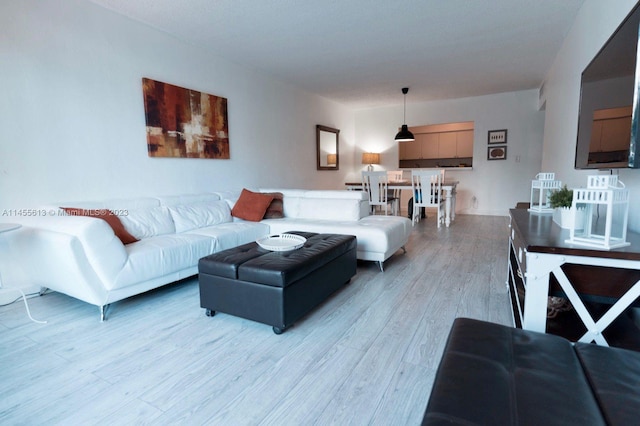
(448, 191)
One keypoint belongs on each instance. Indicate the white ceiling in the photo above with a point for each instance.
(362, 52)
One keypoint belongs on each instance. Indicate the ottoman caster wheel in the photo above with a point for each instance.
(209, 313)
(278, 330)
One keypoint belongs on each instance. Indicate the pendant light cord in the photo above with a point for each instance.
(405, 90)
(404, 135)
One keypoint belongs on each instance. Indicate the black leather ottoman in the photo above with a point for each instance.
(492, 374)
(276, 288)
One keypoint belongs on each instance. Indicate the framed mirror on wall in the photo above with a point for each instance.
(327, 139)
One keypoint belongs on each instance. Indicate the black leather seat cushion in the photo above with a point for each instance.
(226, 263)
(251, 263)
(614, 375)
(491, 374)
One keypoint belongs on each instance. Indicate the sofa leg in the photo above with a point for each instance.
(103, 312)
(381, 265)
(278, 330)
(404, 249)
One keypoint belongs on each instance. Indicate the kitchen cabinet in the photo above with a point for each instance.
(611, 130)
(411, 150)
(456, 144)
(464, 144)
(429, 144)
(447, 145)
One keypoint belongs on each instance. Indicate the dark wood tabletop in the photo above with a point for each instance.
(542, 235)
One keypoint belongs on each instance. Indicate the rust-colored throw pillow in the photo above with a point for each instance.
(275, 209)
(107, 216)
(251, 205)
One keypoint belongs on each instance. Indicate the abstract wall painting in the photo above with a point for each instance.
(184, 123)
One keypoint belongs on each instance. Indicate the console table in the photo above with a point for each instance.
(541, 264)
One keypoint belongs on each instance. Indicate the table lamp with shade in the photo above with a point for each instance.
(370, 158)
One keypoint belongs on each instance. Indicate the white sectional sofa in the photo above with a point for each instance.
(342, 212)
(82, 257)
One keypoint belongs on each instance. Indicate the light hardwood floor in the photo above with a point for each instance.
(366, 356)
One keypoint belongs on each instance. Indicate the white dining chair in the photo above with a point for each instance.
(395, 175)
(376, 186)
(394, 194)
(426, 186)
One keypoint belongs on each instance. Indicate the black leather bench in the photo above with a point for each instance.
(491, 374)
(276, 288)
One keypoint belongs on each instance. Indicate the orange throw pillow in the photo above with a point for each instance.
(107, 216)
(251, 205)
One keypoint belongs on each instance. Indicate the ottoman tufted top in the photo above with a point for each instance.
(250, 262)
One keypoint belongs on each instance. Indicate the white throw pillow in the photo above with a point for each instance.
(199, 215)
(146, 223)
(328, 209)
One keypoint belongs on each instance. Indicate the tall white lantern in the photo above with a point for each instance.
(606, 208)
(541, 188)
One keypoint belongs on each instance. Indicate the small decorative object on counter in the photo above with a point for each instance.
(604, 228)
(541, 188)
(563, 215)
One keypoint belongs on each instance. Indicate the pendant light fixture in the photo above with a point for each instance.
(404, 135)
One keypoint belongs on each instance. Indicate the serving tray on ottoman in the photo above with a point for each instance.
(272, 287)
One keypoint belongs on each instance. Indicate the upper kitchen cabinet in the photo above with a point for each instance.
(439, 145)
(464, 143)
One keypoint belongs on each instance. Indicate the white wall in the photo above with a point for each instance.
(73, 119)
(72, 112)
(498, 184)
(593, 26)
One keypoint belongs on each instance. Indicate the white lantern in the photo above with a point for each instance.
(606, 207)
(541, 188)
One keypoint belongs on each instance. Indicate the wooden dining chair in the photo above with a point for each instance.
(426, 186)
(376, 186)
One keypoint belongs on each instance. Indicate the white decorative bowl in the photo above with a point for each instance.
(281, 242)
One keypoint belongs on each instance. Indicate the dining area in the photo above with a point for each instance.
(429, 188)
